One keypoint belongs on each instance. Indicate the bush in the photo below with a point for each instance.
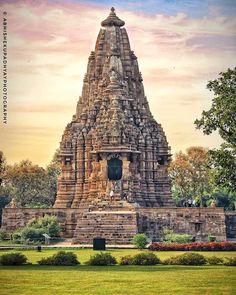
(13, 259)
(48, 224)
(3, 235)
(60, 258)
(126, 260)
(30, 234)
(211, 238)
(102, 259)
(145, 259)
(16, 237)
(171, 260)
(230, 261)
(191, 259)
(34, 230)
(171, 237)
(140, 241)
(213, 260)
(197, 246)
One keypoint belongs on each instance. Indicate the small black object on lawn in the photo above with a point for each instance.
(39, 248)
(99, 244)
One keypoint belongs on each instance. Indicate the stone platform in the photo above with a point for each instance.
(119, 225)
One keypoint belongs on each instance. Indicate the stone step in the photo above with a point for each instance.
(117, 227)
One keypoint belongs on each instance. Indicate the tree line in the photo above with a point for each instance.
(29, 185)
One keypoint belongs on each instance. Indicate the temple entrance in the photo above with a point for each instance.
(114, 169)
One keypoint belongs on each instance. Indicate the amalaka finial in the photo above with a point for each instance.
(112, 20)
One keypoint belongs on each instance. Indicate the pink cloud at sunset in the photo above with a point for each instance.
(48, 47)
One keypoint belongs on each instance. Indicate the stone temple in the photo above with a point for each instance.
(113, 151)
(114, 157)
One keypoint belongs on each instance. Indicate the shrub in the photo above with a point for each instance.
(3, 235)
(191, 259)
(126, 260)
(102, 259)
(31, 234)
(48, 224)
(145, 259)
(213, 260)
(14, 258)
(230, 261)
(140, 241)
(60, 258)
(197, 246)
(211, 238)
(171, 237)
(34, 230)
(171, 260)
(16, 237)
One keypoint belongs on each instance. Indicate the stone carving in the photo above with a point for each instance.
(113, 120)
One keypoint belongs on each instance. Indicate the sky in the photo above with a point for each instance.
(180, 46)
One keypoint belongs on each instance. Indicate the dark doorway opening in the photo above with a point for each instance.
(114, 169)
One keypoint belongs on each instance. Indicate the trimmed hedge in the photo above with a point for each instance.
(197, 246)
(145, 259)
(14, 258)
(126, 260)
(230, 261)
(191, 259)
(60, 258)
(213, 260)
(186, 259)
(102, 259)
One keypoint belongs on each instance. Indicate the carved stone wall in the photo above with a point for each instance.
(113, 120)
(230, 220)
(118, 227)
(198, 222)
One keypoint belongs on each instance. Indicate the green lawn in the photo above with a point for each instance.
(116, 280)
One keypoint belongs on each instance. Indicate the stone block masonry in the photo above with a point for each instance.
(118, 227)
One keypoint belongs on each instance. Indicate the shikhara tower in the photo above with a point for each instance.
(113, 153)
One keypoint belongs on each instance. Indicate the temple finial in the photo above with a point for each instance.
(112, 20)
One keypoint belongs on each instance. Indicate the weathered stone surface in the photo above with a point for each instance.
(118, 227)
(15, 218)
(198, 222)
(230, 219)
(113, 121)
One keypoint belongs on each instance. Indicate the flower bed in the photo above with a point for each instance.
(197, 246)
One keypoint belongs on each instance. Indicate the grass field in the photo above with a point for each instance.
(116, 280)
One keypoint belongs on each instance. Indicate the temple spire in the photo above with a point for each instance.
(112, 20)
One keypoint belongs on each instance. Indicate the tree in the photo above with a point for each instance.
(222, 117)
(4, 199)
(190, 174)
(28, 184)
(53, 170)
(2, 166)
